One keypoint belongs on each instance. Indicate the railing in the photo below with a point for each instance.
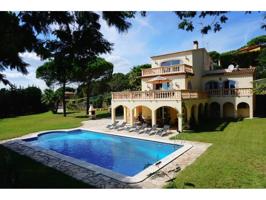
(230, 92)
(181, 68)
(158, 95)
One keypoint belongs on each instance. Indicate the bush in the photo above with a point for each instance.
(14, 102)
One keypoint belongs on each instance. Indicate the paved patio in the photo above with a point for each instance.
(157, 180)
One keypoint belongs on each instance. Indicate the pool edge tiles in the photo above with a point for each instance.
(139, 177)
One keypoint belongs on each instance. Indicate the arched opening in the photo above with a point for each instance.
(122, 113)
(142, 114)
(193, 116)
(228, 110)
(215, 110)
(167, 116)
(243, 110)
(200, 112)
(206, 111)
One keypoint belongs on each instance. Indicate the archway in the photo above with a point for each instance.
(228, 110)
(206, 111)
(122, 113)
(200, 112)
(166, 115)
(215, 110)
(142, 114)
(243, 110)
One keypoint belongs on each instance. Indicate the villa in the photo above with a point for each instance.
(183, 87)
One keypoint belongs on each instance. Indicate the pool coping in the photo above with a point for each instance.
(141, 176)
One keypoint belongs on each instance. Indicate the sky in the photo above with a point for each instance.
(156, 34)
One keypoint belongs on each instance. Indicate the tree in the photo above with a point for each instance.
(19, 33)
(134, 76)
(96, 69)
(25, 31)
(260, 40)
(261, 68)
(213, 20)
(51, 99)
(119, 82)
(53, 73)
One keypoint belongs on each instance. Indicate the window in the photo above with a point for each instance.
(163, 86)
(211, 85)
(170, 63)
(229, 84)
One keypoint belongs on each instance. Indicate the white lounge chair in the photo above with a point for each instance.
(110, 126)
(163, 131)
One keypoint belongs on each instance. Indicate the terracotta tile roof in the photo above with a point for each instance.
(250, 70)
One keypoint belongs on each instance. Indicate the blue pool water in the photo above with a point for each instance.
(127, 156)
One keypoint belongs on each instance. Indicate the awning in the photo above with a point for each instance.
(158, 79)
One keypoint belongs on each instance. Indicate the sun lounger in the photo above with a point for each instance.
(142, 129)
(136, 129)
(120, 125)
(110, 126)
(151, 130)
(163, 131)
(128, 128)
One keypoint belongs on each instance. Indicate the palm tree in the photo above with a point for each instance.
(51, 99)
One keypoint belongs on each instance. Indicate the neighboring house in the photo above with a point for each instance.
(253, 48)
(182, 87)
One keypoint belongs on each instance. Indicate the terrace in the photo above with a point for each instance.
(176, 69)
(234, 92)
(158, 95)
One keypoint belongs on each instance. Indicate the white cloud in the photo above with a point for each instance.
(130, 48)
(30, 56)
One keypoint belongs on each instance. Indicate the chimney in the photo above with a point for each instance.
(195, 44)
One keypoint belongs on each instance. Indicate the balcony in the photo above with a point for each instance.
(158, 95)
(176, 69)
(234, 92)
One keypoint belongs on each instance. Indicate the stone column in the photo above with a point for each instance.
(125, 113)
(131, 117)
(188, 116)
(153, 117)
(250, 111)
(235, 110)
(113, 115)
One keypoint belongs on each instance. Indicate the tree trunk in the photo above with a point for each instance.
(64, 99)
(88, 98)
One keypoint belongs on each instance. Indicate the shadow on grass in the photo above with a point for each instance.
(98, 116)
(18, 171)
(213, 125)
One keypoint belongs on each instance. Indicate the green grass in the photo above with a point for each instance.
(237, 158)
(18, 126)
(18, 171)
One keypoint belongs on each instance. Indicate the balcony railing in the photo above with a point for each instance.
(181, 68)
(230, 92)
(158, 95)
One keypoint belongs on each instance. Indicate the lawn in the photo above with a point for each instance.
(21, 172)
(18, 126)
(237, 158)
